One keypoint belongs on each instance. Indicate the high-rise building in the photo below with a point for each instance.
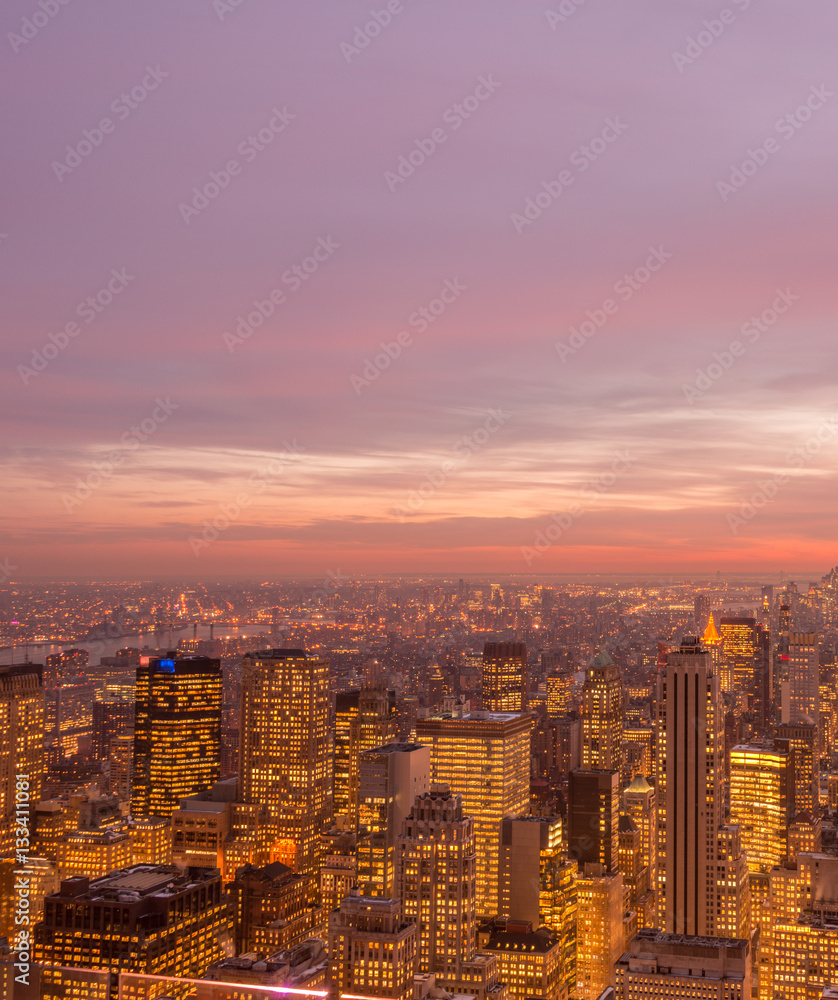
(593, 816)
(505, 677)
(801, 741)
(436, 878)
(640, 805)
(530, 854)
(739, 653)
(529, 962)
(701, 612)
(177, 732)
(272, 909)
(759, 803)
(372, 949)
(694, 853)
(111, 717)
(285, 751)
(600, 933)
(800, 694)
(560, 911)
(149, 919)
(375, 725)
(559, 687)
(390, 778)
(21, 744)
(73, 732)
(602, 715)
(680, 967)
(484, 757)
(802, 932)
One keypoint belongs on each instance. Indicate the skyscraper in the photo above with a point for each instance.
(436, 878)
(284, 751)
(640, 805)
(800, 694)
(600, 932)
(177, 732)
(372, 948)
(390, 778)
(691, 804)
(593, 814)
(530, 857)
(375, 725)
(21, 742)
(505, 683)
(739, 653)
(759, 803)
(483, 757)
(602, 715)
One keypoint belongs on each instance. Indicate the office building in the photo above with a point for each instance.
(739, 653)
(800, 703)
(602, 715)
(21, 743)
(640, 804)
(390, 778)
(436, 878)
(600, 932)
(483, 757)
(372, 949)
(593, 815)
(146, 919)
(680, 967)
(110, 718)
(530, 852)
(559, 688)
(177, 732)
(375, 725)
(272, 908)
(505, 677)
(529, 962)
(285, 765)
(759, 803)
(695, 855)
(801, 741)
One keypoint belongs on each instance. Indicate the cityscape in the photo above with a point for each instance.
(418, 464)
(420, 788)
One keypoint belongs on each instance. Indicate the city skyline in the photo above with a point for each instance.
(487, 181)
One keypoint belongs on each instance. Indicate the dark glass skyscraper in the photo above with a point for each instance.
(177, 732)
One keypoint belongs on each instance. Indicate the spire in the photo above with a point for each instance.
(710, 633)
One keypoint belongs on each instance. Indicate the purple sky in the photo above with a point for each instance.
(389, 475)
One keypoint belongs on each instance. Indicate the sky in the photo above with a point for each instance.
(520, 287)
